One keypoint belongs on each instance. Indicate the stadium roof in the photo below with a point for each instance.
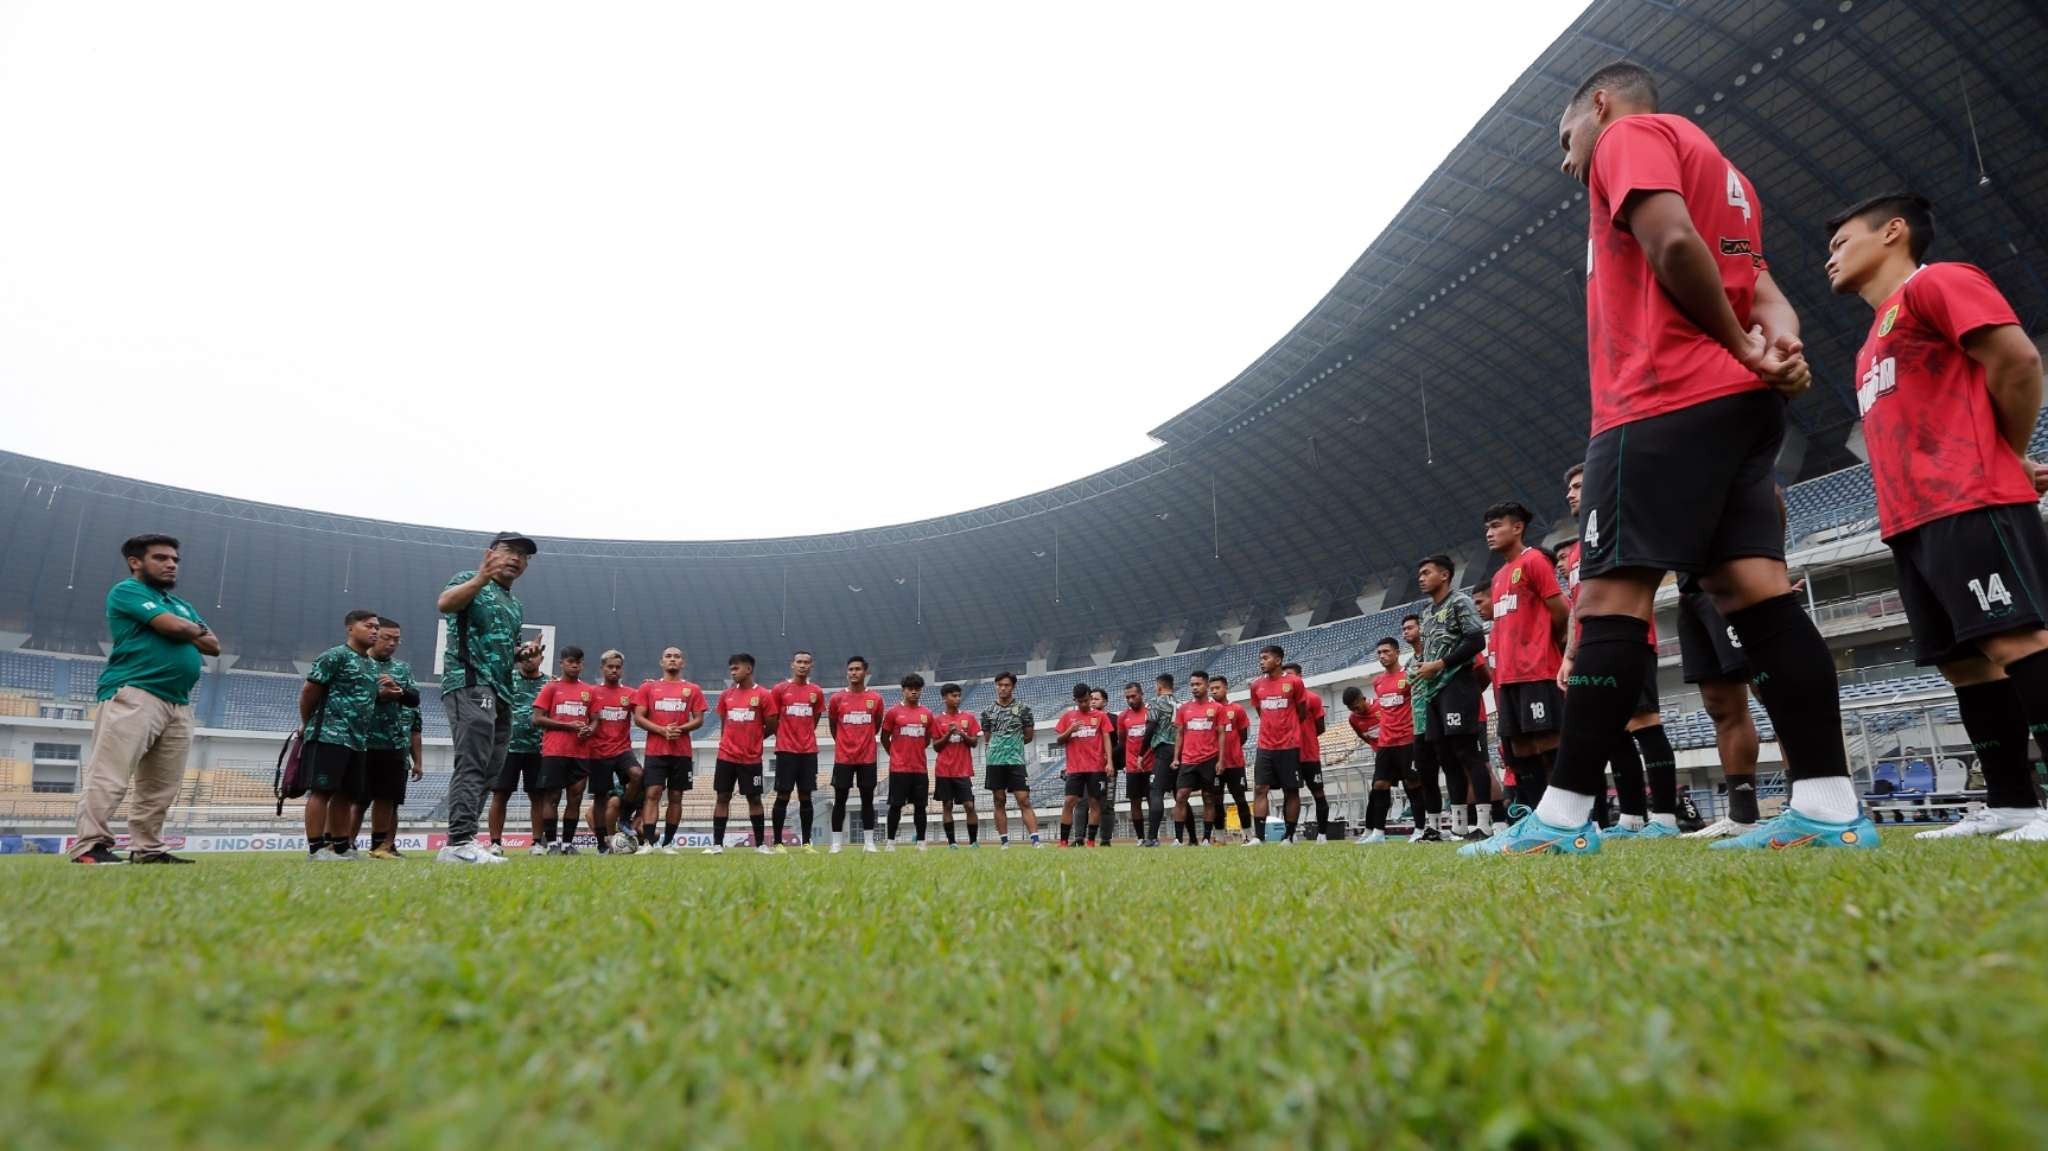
(1445, 370)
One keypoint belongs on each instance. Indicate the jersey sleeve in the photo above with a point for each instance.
(1025, 717)
(697, 705)
(323, 669)
(1957, 299)
(130, 600)
(1542, 578)
(1636, 154)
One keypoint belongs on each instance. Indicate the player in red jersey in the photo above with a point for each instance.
(1529, 615)
(1101, 827)
(1134, 731)
(747, 718)
(1085, 734)
(1281, 702)
(907, 729)
(1383, 718)
(1692, 349)
(1313, 724)
(668, 710)
(613, 770)
(1230, 772)
(1198, 726)
(563, 713)
(954, 733)
(855, 716)
(1950, 387)
(802, 704)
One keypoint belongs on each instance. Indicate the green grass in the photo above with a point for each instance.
(1333, 996)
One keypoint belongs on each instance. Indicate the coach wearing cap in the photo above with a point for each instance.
(483, 622)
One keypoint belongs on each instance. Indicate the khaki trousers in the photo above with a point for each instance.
(139, 739)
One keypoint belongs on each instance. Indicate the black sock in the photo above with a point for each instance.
(838, 810)
(1660, 764)
(806, 808)
(1742, 799)
(1376, 808)
(2029, 677)
(1793, 674)
(1498, 810)
(315, 844)
(547, 831)
(1180, 831)
(1998, 733)
(973, 832)
(1605, 683)
(761, 829)
(1289, 833)
(949, 834)
(1530, 790)
(867, 809)
(718, 831)
(781, 814)
(1322, 812)
(569, 828)
(1066, 831)
(668, 833)
(895, 819)
(1628, 779)
(1094, 829)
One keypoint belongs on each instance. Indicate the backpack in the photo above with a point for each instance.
(290, 779)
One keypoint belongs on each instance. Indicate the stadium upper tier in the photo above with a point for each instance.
(1444, 370)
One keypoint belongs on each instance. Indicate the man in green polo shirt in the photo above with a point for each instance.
(143, 728)
(483, 619)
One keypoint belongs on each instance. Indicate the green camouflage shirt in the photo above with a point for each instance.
(1443, 625)
(489, 636)
(1159, 714)
(525, 736)
(395, 720)
(1005, 728)
(345, 716)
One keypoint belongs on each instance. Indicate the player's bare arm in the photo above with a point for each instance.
(1685, 268)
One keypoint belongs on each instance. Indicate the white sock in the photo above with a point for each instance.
(1630, 822)
(1561, 808)
(1828, 798)
(1486, 819)
(871, 836)
(838, 837)
(1665, 818)
(1458, 822)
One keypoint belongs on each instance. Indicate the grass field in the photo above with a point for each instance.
(1319, 996)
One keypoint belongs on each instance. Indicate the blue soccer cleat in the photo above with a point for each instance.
(1531, 836)
(1655, 830)
(1792, 829)
(1620, 831)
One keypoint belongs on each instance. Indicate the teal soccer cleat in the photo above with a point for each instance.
(1792, 829)
(1531, 836)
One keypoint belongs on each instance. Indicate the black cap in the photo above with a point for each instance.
(517, 541)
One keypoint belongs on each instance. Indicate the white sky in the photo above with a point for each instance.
(499, 265)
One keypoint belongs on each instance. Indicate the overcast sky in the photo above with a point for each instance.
(685, 271)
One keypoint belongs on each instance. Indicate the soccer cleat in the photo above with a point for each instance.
(1373, 836)
(1250, 842)
(1475, 835)
(156, 857)
(1037, 842)
(921, 845)
(496, 849)
(1985, 821)
(571, 849)
(1429, 835)
(778, 849)
(715, 849)
(763, 849)
(1791, 829)
(837, 847)
(1656, 830)
(952, 847)
(100, 853)
(553, 848)
(453, 853)
(1721, 828)
(2033, 832)
(1420, 833)
(870, 848)
(669, 849)
(539, 849)
(384, 851)
(646, 849)
(810, 850)
(1531, 836)
(889, 845)
(350, 854)
(1619, 831)
(1321, 838)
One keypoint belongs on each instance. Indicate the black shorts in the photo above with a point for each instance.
(861, 775)
(1453, 710)
(522, 773)
(909, 789)
(1646, 699)
(1278, 767)
(610, 773)
(1708, 651)
(1685, 491)
(1529, 709)
(559, 771)
(1228, 776)
(955, 789)
(1137, 784)
(1007, 777)
(384, 774)
(1971, 575)
(1312, 774)
(1196, 776)
(746, 777)
(796, 769)
(1088, 784)
(332, 769)
(676, 772)
(1391, 765)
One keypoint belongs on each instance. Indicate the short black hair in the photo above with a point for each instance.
(1507, 510)
(1275, 649)
(857, 659)
(1908, 206)
(739, 657)
(137, 547)
(1222, 679)
(1293, 667)
(949, 689)
(1409, 616)
(573, 652)
(385, 621)
(1624, 76)
(1164, 679)
(1081, 692)
(1443, 561)
(1352, 695)
(1390, 641)
(357, 616)
(1198, 675)
(1009, 675)
(1134, 686)
(1574, 470)
(801, 651)
(913, 680)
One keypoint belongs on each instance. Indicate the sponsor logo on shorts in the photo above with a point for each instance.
(1593, 681)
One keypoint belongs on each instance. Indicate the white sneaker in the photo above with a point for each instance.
(921, 845)
(325, 855)
(1721, 828)
(497, 850)
(1374, 836)
(889, 845)
(467, 853)
(646, 849)
(870, 848)
(537, 849)
(669, 849)
(837, 847)
(1420, 831)
(1321, 838)
(2033, 831)
(1250, 842)
(715, 849)
(1985, 821)
(763, 849)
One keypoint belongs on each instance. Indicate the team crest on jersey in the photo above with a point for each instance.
(1515, 576)
(1891, 316)
(1285, 688)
